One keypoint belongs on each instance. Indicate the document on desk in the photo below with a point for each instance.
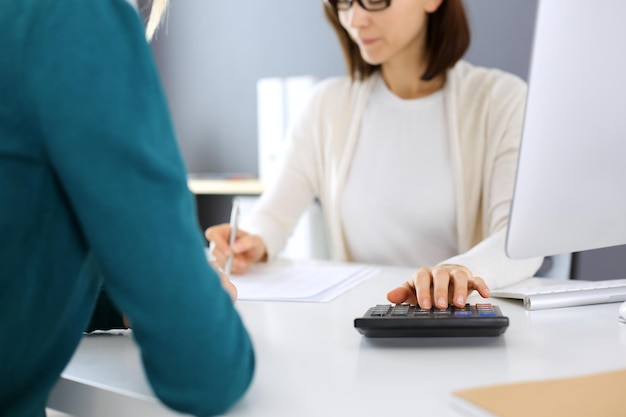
(300, 281)
(600, 394)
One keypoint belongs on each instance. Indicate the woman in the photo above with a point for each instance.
(94, 192)
(412, 157)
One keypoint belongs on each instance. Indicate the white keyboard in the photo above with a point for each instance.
(540, 293)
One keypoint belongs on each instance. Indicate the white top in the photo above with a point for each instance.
(402, 158)
(484, 111)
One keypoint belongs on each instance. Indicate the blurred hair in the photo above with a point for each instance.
(447, 40)
(157, 11)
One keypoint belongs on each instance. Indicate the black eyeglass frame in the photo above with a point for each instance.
(333, 4)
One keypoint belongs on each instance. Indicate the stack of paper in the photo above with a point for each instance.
(319, 282)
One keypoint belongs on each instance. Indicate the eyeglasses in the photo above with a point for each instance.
(370, 5)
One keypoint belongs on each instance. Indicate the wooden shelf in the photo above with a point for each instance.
(209, 186)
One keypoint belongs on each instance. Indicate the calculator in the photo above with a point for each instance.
(403, 320)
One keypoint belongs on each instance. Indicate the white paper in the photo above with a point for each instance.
(312, 282)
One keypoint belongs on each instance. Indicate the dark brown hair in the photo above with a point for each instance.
(447, 40)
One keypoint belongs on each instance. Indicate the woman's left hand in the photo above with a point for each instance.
(445, 284)
(227, 284)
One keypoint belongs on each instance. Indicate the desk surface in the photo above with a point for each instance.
(312, 362)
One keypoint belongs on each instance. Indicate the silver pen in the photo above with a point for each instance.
(234, 224)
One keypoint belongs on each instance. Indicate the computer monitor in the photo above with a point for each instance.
(570, 191)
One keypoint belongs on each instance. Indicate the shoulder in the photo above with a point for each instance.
(338, 95)
(472, 82)
(475, 76)
(335, 88)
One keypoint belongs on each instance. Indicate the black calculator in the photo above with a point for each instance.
(403, 320)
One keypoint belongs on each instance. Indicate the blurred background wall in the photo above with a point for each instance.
(211, 54)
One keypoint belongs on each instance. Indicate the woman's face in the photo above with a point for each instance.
(385, 34)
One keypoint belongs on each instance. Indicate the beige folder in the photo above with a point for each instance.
(602, 394)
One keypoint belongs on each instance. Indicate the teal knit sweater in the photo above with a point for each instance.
(93, 190)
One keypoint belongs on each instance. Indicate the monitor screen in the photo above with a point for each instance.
(570, 191)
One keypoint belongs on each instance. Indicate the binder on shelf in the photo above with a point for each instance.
(279, 102)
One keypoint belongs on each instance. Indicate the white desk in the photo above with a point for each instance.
(312, 362)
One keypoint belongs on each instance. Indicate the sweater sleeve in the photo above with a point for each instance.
(296, 184)
(110, 142)
(488, 260)
(501, 117)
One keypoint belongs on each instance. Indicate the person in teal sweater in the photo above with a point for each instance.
(93, 192)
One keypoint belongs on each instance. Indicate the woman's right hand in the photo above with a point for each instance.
(248, 248)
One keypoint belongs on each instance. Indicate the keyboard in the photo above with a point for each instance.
(542, 293)
(403, 320)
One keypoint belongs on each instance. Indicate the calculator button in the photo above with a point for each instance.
(485, 310)
(442, 313)
(379, 311)
(421, 313)
(402, 310)
(463, 313)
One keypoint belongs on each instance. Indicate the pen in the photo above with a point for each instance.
(234, 224)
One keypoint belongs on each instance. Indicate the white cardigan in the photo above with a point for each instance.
(484, 111)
